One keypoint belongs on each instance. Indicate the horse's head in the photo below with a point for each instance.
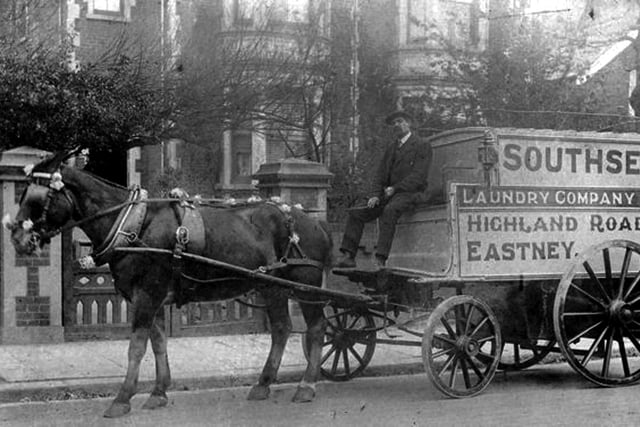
(45, 206)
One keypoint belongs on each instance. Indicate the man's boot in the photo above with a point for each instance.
(380, 261)
(346, 260)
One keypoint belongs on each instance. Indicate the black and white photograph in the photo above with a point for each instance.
(319, 212)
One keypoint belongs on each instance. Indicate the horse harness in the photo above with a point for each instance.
(189, 235)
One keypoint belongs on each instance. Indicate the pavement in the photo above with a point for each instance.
(97, 368)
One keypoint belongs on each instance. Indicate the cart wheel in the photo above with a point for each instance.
(462, 337)
(524, 356)
(596, 314)
(349, 343)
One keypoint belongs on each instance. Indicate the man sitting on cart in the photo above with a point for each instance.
(398, 185)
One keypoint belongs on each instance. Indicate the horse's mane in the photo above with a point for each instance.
(56, 161)
(99, 178)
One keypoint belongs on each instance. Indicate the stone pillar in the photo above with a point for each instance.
(296, 181)
(225, 178)
(30, 286)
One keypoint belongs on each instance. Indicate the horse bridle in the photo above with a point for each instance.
(54, 184)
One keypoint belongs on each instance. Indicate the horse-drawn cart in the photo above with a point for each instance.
(525, 247)
(529, 237)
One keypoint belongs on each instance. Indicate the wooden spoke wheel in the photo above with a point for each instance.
(461, 346)
(596, 315)
(349, 343)
(518, 356)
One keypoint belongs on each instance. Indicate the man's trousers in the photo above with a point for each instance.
(388, 212)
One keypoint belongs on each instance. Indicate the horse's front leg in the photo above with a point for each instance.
(316, 325)
(143, 314)
(158, 398)
(278, 313)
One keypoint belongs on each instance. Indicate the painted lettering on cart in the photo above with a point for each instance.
(575, 160)
(612, 223)
(508, 224)
(482, 250)
(554, 197)
(518, 251)
(537, 229)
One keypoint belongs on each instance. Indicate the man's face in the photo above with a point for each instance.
(400, 126)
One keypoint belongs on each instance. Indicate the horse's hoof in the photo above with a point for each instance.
(117, 409)
(155, 402)
(304, 394)
(258, 392)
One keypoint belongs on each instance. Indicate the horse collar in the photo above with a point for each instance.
(125, 229)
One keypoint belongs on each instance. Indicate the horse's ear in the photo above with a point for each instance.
(71, 153)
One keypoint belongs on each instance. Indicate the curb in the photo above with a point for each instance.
(107, 387)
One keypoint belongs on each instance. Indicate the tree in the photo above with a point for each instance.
(353, 171)
(261, 72)
(46, 103)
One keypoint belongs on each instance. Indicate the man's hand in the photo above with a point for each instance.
(373, 202)
(389, 191)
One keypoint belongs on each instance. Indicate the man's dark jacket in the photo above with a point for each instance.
(406, 169)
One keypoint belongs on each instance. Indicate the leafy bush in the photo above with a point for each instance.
(46, 104)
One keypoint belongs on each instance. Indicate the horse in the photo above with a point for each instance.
(252, 236)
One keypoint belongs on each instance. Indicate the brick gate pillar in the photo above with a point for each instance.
(30, 286)
(296, 181)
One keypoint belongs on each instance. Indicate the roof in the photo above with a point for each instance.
(608, 55)
(593, 32)
(609, 28)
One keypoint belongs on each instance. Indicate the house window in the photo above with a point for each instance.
(244, 11)
(119, 10)
(289, 10)
(417, 22)
(276, 149)
(108, 6)
(241, 157)
(456, 22)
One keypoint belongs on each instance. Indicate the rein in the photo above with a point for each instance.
(292, 256)
(56, 185)
(93, 217)
(69, 225)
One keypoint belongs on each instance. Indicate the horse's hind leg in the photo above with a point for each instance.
(278, 313)
(316, 325)
(142, 319)
(158, 396)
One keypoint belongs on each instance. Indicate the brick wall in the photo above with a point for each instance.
(99, 35)
(32, 309)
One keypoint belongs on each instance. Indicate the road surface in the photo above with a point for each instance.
(545, 395)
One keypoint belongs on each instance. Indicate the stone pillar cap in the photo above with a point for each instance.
(22, 156)
(293, 170)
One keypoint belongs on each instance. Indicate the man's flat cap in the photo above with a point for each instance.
(391, 117)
